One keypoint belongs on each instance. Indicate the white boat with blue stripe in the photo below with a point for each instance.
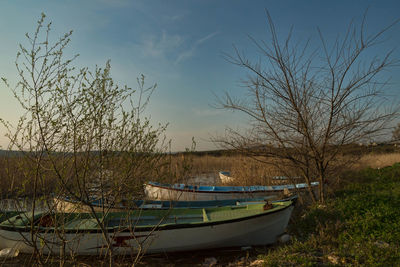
(183, 192)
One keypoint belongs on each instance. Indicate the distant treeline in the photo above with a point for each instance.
(350, 149)
(355, 149)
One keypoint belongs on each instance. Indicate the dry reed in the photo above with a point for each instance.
(376, 161)
(247, 171)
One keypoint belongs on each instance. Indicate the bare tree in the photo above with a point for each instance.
(305, 104)
(396, 133)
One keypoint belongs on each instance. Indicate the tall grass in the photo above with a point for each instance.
(377, 160)
(251, 171)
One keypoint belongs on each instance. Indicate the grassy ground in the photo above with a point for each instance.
(359, 225)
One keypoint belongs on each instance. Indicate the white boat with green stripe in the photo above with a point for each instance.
(149, 231)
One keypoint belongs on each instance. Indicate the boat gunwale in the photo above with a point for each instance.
(195, 190)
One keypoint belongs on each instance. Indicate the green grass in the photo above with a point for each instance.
(358, 226)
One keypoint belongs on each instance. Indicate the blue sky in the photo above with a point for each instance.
(179, 45)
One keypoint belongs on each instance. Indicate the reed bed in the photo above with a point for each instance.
(183, 168)
(247, 171)
(376, 161)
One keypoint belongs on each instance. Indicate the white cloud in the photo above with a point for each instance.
(166, 46)
(202, 40)
(160, 47)
(185, 55)
(192, 50)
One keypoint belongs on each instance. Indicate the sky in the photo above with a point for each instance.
(179, 44)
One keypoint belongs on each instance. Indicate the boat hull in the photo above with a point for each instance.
(160, 193)
(257, 230)
(181, 192)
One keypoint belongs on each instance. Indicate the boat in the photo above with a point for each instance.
(183, 192)
(225, 177)
(149, 231)
(5, 215)
(67, 204)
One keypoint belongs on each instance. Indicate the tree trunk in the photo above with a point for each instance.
(321, 189)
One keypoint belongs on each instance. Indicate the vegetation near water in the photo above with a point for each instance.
(359, 225)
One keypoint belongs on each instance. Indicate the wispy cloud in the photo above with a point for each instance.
(202, 40)
(192, 50)
(170, 45)
(159, 47)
